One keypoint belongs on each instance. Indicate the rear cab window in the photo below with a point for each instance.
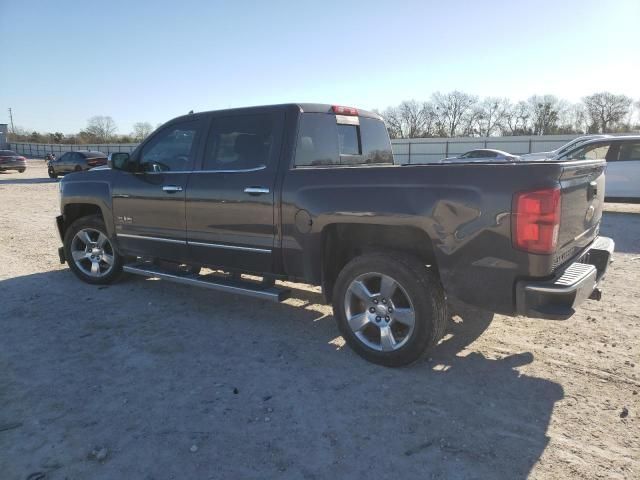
(326, 139)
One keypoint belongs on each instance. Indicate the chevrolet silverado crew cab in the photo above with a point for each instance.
(236, 200)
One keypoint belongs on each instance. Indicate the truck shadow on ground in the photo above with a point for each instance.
(148, 368)
(617, 225)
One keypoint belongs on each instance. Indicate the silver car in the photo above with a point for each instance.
(576, 142)
(483, 155)
(623, 163)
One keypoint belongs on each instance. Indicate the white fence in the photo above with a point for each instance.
(430, 150)
(412, 150)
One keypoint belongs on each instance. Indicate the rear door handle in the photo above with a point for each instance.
(256, 190)
(172, 188)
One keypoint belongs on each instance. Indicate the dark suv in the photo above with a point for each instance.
(75, 162)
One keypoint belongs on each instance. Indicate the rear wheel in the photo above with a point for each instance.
(21, 170)
(78, 168)
(390, 307)
(90, 253)
(52, 173)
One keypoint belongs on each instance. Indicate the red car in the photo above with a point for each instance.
(10, 160)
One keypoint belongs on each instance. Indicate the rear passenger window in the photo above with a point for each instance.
(323, 141)
(242, 142)
(629, 152)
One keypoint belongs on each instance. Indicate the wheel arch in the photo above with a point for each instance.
(342, 242)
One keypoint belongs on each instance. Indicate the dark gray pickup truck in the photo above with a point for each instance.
(235, 200)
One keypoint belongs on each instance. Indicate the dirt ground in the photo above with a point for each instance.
(151, 380)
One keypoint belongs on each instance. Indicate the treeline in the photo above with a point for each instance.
(453, 114)
(99, 129)
(458, 114)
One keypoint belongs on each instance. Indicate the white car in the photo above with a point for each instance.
(558, 152)
(623, 163)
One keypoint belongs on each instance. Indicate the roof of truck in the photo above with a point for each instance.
(302, 107)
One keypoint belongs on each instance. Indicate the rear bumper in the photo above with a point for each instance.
(558, 297)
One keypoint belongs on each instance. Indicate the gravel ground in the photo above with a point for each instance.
(151, 380)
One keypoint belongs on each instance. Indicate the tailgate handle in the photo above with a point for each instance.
(593, 190)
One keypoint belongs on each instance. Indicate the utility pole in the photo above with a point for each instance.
(13, 130)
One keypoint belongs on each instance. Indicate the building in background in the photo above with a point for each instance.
(4, 129)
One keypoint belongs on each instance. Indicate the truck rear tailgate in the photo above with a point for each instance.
(582, 185)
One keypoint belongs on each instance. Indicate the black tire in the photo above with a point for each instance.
(78, 168)
(52, 173)
(422, 287)
(21, 170)
(93, 222)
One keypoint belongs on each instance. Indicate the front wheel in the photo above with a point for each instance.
(390, 308)
(52, 173)
(90, 253)
(21, 170)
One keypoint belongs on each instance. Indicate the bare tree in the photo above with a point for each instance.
(573, 119)
(606, 110)
(452, 110)
(410, 119)
(103, 128)
(545, 113)
(517, 119)
(489, 116)
(141, 130)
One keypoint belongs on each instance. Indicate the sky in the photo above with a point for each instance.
(63, 62)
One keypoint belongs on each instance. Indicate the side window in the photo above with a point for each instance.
(240, 143)
(594, 151)
(629, 152)
(172, 149)
(317, 140)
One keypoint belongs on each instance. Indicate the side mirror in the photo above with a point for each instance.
(118, 160)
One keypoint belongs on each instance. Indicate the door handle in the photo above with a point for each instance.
(256, 190)
(172, 188)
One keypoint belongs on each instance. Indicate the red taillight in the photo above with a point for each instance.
(339, 110)
(536, 220)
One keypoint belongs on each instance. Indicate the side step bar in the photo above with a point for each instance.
(212, 281)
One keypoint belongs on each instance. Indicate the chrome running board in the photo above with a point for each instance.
(212, 281)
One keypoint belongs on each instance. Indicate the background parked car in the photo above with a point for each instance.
(10, 160)
(576, 142)
(483, 155)
(75, 162)
(623, 163)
